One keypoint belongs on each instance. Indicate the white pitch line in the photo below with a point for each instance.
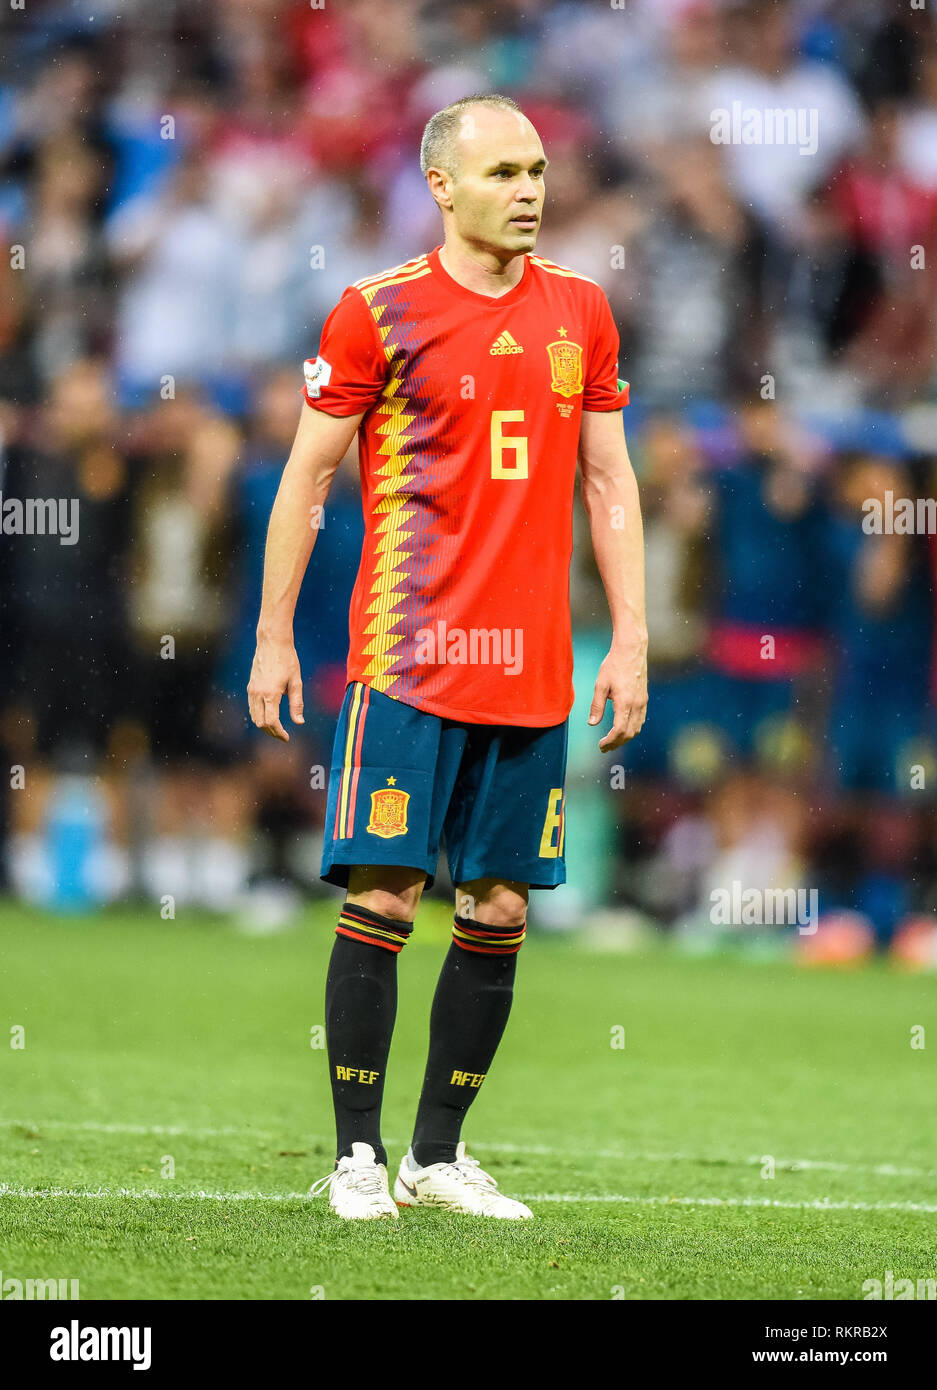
(885, 1170)
(172, 1131)
(151, 1193)
(201, 1195)
(818, 1204)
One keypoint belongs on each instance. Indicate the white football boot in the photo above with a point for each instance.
(358, 1188)
(460, 1186)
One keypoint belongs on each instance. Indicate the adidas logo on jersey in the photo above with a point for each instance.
(503, 345)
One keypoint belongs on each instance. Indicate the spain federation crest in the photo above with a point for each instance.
(388, 813)
(566, 367)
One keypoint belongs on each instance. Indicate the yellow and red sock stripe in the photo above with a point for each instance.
(351, 768)
(487, 940)
(361, 924)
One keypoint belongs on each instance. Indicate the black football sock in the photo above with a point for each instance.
(360, 1008)
(470, 1010)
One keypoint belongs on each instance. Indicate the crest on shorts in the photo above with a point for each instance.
(388, 813)
(566, 367)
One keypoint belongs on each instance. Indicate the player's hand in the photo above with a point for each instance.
(275, 673)
(622, 679)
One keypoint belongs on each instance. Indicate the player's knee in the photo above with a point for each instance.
(496, 906)
(495, 923)
(389, 892)
(396, 906)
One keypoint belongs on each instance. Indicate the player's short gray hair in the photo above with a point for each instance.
(438, 146)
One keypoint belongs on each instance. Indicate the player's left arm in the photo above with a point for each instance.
(610, 496)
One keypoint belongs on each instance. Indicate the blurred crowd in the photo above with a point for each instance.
(186, 190)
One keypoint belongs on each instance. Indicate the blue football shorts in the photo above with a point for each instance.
(403, 782)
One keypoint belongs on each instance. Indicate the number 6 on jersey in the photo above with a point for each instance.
(501, 442)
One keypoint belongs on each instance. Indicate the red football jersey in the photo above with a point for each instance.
(468, 452)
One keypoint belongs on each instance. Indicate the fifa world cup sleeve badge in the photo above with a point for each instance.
(388, 813)
(318, 373)
(566, 367)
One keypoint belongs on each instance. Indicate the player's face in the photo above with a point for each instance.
(497, 195)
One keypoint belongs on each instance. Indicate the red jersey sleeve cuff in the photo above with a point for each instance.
(617, 402)
(339, 408)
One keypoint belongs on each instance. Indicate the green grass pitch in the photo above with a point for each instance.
(155, 1048)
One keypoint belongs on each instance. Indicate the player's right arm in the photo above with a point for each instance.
(320, 445)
